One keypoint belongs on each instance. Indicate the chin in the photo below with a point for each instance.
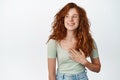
(71, 28)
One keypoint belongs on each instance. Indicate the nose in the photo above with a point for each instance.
(70, 19)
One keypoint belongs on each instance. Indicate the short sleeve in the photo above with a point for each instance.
(51, 49)
(95, 51)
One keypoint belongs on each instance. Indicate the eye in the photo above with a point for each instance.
(66, 16)
(75, 16)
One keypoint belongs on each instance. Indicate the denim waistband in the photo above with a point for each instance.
(67, 74)
(78, 76)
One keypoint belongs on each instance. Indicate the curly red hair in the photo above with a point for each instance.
(83, 35)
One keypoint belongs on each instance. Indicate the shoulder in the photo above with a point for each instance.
(52, 42)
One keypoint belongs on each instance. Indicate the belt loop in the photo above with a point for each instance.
(63, 76)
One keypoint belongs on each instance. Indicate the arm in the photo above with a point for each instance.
(94, 65)
(52, 68)
(79, 57)
(52, 55)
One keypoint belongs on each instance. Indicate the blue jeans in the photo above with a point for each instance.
(78, 76)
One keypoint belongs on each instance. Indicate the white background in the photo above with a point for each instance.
(25, 26)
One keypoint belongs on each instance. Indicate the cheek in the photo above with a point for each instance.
(77, 22)
(65, 22)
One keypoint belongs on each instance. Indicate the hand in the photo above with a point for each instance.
(78, 56)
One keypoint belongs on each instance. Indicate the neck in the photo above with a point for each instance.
(70, 36)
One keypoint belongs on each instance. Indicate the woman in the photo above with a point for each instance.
(70, 44)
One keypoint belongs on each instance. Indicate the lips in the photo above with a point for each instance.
(70, 24)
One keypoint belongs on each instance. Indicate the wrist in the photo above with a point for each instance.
(85, 62)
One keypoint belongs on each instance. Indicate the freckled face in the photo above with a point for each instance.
(71, 20)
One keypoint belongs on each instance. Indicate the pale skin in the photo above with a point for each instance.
(71, 23)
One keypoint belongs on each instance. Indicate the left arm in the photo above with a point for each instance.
(94, 65)
(79, 57)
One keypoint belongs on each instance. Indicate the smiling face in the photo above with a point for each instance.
(71, 20)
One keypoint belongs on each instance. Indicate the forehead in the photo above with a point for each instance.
(72, 11)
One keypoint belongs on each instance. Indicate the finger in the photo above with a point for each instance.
(72, 52)
(72, 56)
(81, 52)
(77, 52)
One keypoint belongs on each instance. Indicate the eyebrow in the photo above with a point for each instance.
(73, 14)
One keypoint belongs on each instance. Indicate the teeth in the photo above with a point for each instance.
(71, 24)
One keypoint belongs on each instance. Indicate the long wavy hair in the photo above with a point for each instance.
(82, 34)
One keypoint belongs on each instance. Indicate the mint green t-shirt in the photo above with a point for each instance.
(65, 63)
